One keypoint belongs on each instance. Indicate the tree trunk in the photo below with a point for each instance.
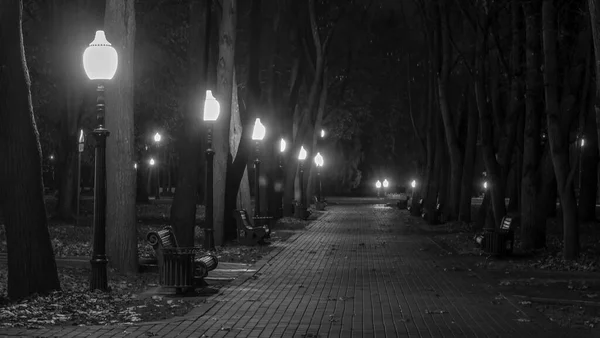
(121, 227)
(454, 148)
(558, 134)
(312, 177)
(595, 24)
(183, 209)
(531, 231)
(589, 170)
(225, 67)
(466, 190)
(31, 264)
(141, 195)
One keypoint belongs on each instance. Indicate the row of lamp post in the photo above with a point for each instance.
(100, 62)
(379, 185)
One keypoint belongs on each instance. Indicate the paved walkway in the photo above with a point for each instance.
(359, 271)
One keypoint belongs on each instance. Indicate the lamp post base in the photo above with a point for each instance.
(209, 239)
(99, 277)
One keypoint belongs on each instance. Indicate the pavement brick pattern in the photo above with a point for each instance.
(358, 271)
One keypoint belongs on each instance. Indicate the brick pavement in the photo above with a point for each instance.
(358, 271)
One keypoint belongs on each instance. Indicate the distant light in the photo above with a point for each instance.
(319, 160)
(485, 185)
(386, 183)
(152, 161)
(81, 136)
(282, 145)
(582, 142)
(322, 133)
(157, 137)
(302, 155)
(211, 107)
(259, 131)
(134, 165)
(51, 157)
(413, 183)
(378, 184)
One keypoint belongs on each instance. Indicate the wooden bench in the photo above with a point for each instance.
(500, 242)
(179, 267)
(248, 234)
(319, 205)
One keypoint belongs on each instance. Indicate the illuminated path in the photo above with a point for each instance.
(358, 271)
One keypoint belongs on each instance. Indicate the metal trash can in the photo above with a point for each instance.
(178, 268)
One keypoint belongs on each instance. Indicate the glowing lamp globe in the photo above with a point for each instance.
(259, 131)
(81, 136)
(413, 183)
(157, 137)
(135, 166)
(322, 133)
(582, 142)
(319, 160)
(100, 59)
(152, 161)
(485, 185)
(212, 107)
(302, 155)
(282, 145)
(386, 183)
(378, 184)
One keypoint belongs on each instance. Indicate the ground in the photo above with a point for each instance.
(566, 293)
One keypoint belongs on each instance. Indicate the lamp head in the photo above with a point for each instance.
(302, 155)
(485, 185)
(212, 107)
(386, 183)
(282, 145)
(322, 133)
(100, 59)
(81, 136)
(378, 184)
(319, 160)
(157, 137)
(135, 165)
(259, 131)
(582, 142)
(413, 184)
(152, 161)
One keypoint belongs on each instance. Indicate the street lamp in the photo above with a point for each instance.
(485, 185)
(157, 138)
(319, 162)
(300, 210)
(378, 186)
(257, 135)
(211, 113)
(386, 184)
(80, 146)
(413, 185)
(100, 61)
(322, 133)
(279, 186)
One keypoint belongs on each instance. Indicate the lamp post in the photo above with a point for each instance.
(80, 146)
(378, 186)
(282, 146)
(257, 135)
(100, 62)
(211, 113)
(300, 209)
(319, 162)
(157, 138)
(386, 184)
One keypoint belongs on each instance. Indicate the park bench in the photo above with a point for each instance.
(179, 267)
(248, 234)
(499, 242)
(319, 205)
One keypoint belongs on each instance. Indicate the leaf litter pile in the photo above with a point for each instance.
(76, 305)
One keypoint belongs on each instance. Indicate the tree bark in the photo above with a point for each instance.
(595, 24)
(531, 230)
(225, 68)
(454, 148)
(558, 135)
(121, 227)
(183, 209)
(31, 264)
